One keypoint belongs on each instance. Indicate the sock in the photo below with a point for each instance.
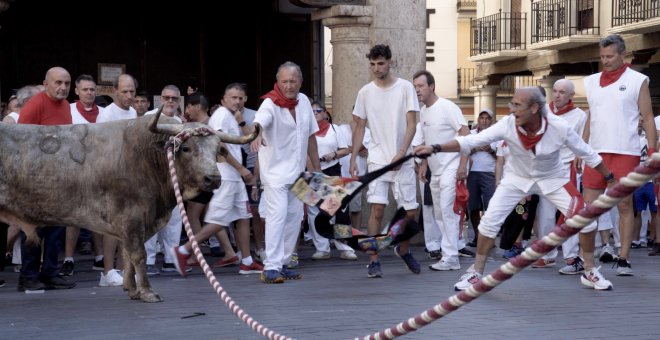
(68, 258)
(183, 250)
(247, 261)
(98, 258)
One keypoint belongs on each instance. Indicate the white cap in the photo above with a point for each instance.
(488, 111)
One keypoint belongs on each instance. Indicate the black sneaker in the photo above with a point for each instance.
(29, 285)
(98, 265)
(435, 254)
(67, 268)
(168, 268)
(2, 283)
(85, 248)
(58, 282)
(465, 253)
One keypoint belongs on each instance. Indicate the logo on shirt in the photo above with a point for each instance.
(622, 88)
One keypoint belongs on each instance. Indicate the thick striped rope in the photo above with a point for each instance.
(224, 296)
(642, 174)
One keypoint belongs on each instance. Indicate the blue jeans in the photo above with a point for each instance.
(32, 268)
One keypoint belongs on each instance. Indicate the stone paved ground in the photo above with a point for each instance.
(335, 300)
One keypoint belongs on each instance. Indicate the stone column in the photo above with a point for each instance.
(547, 83)
(349, 28)
(487, 99)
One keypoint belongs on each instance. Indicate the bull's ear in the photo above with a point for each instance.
(222, 153)
(166, 129)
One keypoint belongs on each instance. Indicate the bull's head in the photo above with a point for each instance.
(197, 156)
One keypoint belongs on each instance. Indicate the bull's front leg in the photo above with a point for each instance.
(138, 285)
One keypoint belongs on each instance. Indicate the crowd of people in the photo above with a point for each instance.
(518, 171)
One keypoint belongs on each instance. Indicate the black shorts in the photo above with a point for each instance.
(203, 198)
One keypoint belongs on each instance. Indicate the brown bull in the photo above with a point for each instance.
(112, 178)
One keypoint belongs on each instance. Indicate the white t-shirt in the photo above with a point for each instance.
(577, 119)
(223, 119)
(385, 110)
(482, 161)
(15, 115)
(78, 118)
(439, 124)
(251, 159)
(330, 143)
(614, 113)
(113, 112)
(284, 156)
(361, 162)
(154, 111)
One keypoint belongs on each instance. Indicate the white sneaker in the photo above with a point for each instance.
(467, 280)
(445, 265)
(594, 279)
(112, 279)
(321, 255)
(348, 255)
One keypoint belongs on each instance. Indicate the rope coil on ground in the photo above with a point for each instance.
(626, 186)
(231, 304)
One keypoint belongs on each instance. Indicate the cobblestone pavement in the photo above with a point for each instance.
(335, 300)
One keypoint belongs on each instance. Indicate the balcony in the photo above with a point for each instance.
(508, 85)
(564, 24)
(463, 6)
(498, 37)
(466, 85)
(635, 16)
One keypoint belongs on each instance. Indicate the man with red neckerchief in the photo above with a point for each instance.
(534, 166)
(617, 96)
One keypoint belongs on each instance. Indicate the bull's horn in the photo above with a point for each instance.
(234, 139)
(166, 129)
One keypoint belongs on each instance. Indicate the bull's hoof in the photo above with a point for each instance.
(134, 295)
(151, 297)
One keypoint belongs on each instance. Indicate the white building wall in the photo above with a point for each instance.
(443, 32)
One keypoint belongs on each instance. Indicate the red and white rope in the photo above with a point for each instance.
(233, 306)
(642, 174)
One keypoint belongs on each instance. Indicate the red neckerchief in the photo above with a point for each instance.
(609, 77)
(563, 110)
(530, 142)
(324, 126)
(279, 99)
(90, 115)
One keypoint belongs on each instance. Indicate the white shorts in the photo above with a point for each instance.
(229, 203)
(402, 183)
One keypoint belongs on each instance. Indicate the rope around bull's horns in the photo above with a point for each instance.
(640, 175)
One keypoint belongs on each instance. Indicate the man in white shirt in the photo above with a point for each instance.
(533, 167)
(442, 121)
(287, 139)
(618, 96)
(390, 106)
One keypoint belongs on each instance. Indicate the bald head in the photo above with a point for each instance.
(562, 93)
(57, 83)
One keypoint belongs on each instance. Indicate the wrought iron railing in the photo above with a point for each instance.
(465, 79)
(508, 85)
(552, 19)
(466, 5)
(498, 32)
(626, 12)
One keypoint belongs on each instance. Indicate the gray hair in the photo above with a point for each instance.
(289, 64)
(24, 94)
(613, 39)
(172, 88)
(535, 97)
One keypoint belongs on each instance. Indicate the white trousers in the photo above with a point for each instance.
(321, 243)
(443, 189)
(545, 215)
(284, 212)
(170, 236)
(432, 234)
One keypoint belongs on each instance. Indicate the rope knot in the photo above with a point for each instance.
(175, 141)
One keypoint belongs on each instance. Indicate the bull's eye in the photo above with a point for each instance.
(185, 149)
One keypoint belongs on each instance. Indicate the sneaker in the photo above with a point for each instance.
(171, 268)
(180, 261)
(606, 254)
(2, 283)
(112, 279)
(30, 285)
(254, 268)
(435, 254)
(216, 252)
(467, 280)
(321, 255)
(58, 282)
(152, 270)
(348, 255)
(465, 253)
(544, 263)
(635, 245)
(232, 261)
(472, 244)
(67, 268)
(85, 248)
(289, 274)
(443, 265)
(513, 252)
(293, 262)
(655, 251)
(573, 266)
(373, 269)
(98, 265)
(409, 260)
(271, 276)
(594, 279)
(623, 268)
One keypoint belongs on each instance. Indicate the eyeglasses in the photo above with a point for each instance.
(513, 105)
(318, 110)
(169, 98)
